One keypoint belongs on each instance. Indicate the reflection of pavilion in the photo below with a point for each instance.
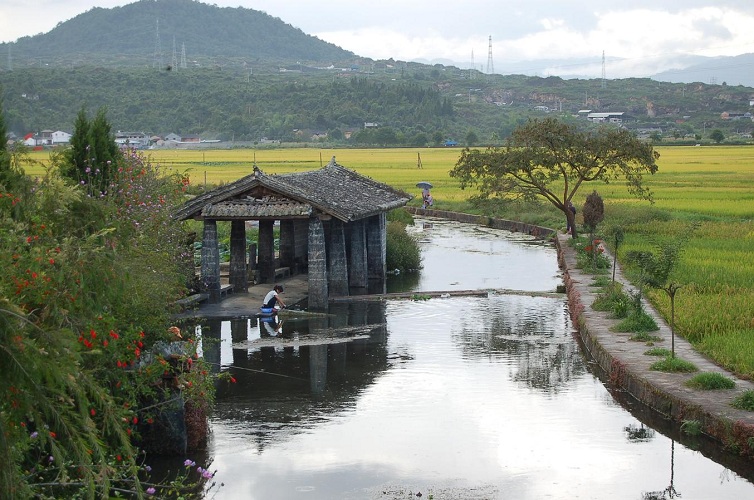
(311, 371)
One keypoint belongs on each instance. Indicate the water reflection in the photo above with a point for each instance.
(451, 398)
(528, 333)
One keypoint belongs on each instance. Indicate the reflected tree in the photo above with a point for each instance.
(669, 492)
(639, 434)
(530, 334)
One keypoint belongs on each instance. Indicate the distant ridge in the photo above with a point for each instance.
(126, 36)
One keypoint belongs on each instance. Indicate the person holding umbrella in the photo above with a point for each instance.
(427, 200)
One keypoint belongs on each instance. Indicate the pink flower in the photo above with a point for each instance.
(151, 491)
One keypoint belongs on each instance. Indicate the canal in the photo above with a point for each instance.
(449, 398)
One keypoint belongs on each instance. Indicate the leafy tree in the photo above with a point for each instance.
(717, 136)
(551, 159)
(437, 138)
(471, 138)
(656, 271)
(594, 213)
(93, 156)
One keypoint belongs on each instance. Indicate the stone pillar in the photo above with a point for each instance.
(266, 243)
(252, 260)
(337, 262)
(357, 265)
(317, 266)
(211, 261)
(300, 237)
(376, 246)
(239, 276)
(287, 245)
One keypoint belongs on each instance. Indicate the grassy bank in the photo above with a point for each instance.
(711, 186)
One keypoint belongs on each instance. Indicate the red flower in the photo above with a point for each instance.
(232, 380)
(53, 435)
(92, 412)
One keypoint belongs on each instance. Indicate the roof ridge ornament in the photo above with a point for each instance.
(257, 171)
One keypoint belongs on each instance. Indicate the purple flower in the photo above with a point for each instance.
(148, 468)
(189, 463)
(207, 474)
(34, 435)
(151, 491)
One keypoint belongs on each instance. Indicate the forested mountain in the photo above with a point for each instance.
(209, 35)
(247, 76)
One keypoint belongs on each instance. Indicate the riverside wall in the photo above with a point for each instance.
(624, 362)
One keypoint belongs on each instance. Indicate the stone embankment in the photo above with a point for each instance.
(628, 368)
(624, 362)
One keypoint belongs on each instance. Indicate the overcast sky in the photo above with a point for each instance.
(638, 37)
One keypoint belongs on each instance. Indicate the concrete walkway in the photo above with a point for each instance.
(627, 366)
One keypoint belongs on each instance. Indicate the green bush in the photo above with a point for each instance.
(745, 401)
(710, 381)
(401, 215)
(639, 322)
(658, 351)
(673, 364)
(403, 253)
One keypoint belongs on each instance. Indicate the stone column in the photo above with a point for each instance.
(211, 261)
(338, 278)
(238, 273)
(252, 260)
(266, 261)
(376, 246)
(357, 265)
(317, 266)
(287, 245)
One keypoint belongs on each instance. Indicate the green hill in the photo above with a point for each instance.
(246, 75)
(210, 35)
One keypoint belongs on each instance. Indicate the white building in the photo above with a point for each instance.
(60, 137)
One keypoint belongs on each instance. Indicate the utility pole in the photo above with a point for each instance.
(174, 61)
(490, 66)
(183, 55)
(603, 69)
(157, 60)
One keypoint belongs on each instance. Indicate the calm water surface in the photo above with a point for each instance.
(451, 398)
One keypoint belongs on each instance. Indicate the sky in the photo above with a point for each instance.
(637, 38)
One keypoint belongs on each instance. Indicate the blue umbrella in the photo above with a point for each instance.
(424, 185)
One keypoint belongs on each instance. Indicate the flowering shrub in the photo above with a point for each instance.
(85, 288)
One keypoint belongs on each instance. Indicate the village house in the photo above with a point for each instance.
(136, 140)
(60, 137)
(608, 117)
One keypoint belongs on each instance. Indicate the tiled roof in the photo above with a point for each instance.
(333, 190)
(252, 208)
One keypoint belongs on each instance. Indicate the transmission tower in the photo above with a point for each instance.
(490, 66)
(472, 70)
(174, 61)
(183, 56)
(603, 69)
(157, 60)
